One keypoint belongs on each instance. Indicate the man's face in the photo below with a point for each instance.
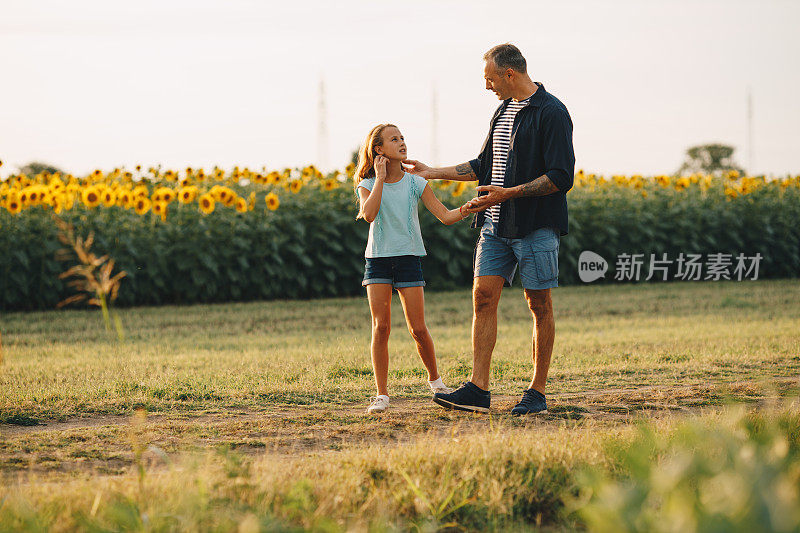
(497, 81)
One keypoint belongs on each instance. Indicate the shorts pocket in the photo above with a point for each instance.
(546, 262)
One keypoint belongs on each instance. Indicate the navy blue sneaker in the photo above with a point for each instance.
(468, 397)
(532, 402)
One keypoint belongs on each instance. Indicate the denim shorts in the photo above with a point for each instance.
(401, 271)
(536, 254)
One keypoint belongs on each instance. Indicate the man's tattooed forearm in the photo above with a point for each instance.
(541, 186)
(465, 169)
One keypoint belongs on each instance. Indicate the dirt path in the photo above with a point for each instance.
(604, 404)
(105, 444)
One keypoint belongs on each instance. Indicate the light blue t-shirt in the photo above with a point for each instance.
(395, 231)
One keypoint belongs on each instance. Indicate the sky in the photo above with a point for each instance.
(97, 84)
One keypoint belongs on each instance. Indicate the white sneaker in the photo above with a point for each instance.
(379, 404)
(438, 387)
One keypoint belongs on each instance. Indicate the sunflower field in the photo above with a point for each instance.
(226, 235)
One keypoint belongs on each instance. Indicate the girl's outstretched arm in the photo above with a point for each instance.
(435, 206)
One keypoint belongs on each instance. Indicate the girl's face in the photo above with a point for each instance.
(394, 145)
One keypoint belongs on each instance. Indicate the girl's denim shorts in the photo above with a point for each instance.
(399, 271)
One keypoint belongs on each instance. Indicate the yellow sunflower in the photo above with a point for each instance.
(206, 202)
(160, 209)
(109, 197)
(218, 193)
(90, 197)
(141, 205)
(34, 195)
(241, 205)
(45, 198)
(124, 198)
(164, 194)
(331, 184)
(272, 201)
(187, 194)
(14, 206)
(295, 186)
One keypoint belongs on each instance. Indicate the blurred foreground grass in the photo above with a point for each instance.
(731, 470)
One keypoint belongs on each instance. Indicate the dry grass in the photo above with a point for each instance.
(256, 410)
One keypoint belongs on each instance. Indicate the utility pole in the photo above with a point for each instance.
(750, 159)
(322, 129)
(434, 128)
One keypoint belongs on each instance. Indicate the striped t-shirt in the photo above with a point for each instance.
(501, 142)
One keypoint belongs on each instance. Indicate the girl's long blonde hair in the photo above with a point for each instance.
(366, 154)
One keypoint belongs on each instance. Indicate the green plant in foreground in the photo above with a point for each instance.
(439, 510)
(743, 476)
(93, 275)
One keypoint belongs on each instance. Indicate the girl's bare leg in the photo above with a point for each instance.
(413, 300)
(380, 305)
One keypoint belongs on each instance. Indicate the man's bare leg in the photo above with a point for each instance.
(544, 333)
(486, 292)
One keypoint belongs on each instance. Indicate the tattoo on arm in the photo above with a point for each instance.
(541, 186)
(465, 169)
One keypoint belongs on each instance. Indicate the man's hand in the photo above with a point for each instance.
(494, 195)
(416, 167)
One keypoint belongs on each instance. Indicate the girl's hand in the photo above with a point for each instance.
(380, 167)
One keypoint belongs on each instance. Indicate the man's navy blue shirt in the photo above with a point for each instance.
(541, 143)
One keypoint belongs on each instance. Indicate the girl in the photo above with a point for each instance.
(388, 198)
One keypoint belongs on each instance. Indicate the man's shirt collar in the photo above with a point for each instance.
(534, 100)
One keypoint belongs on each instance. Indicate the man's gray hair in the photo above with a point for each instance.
(507, 56)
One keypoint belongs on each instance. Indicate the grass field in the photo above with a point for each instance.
(250, 415)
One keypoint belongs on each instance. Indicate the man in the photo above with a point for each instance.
(525, 169)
